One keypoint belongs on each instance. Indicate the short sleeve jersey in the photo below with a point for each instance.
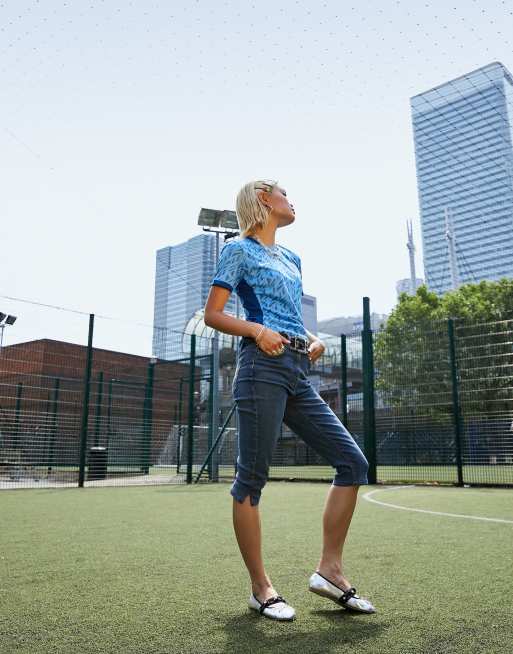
(270, 287)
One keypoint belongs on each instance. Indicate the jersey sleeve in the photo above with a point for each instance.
(230, 266)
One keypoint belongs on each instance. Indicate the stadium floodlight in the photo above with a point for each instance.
(222, 220)
(5, 319)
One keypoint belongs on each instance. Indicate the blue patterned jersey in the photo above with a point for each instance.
(270, 288)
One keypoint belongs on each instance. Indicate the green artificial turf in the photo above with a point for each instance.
(156, 570)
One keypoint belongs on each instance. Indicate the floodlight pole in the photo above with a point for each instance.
(214, 461)
(237, 427)
(221, 222)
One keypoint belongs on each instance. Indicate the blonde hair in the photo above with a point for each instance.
(251, 212)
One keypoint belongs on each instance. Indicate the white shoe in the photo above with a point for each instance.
(347, 598)
(275, 607)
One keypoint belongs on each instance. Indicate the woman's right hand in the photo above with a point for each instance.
(271, 342)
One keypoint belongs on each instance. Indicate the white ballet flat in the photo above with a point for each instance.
(275, 607)
(347, 598)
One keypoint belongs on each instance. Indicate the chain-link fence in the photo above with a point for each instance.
(444, 392)
(428, 403)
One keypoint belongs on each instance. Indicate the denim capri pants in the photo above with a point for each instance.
(269, 390)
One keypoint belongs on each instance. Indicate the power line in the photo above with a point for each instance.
(96, 315)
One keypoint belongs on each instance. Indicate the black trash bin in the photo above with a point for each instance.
(97, 467)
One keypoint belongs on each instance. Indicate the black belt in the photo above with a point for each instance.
(296, 342)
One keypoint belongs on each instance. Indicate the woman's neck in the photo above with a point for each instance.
(267, 237)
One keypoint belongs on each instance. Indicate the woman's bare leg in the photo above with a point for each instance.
(338, 511)
(248, 530)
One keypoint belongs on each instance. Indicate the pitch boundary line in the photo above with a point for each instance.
(368, 498)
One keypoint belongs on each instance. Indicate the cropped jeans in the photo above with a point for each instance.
(269, 390)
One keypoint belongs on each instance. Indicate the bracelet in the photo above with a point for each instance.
(258, 335)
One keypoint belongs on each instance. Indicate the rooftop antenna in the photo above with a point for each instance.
(411, 249)
(449, 235)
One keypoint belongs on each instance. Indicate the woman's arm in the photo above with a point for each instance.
(311, 337)
(215, 317)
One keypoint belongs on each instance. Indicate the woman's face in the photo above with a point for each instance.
(283, 210)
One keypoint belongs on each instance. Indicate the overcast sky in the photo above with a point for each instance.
(120, 120)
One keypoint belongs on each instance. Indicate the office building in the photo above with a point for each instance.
(464, 159)
(182, 282)
(405, 286)
(350, 325)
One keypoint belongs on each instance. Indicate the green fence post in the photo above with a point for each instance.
(17, 411)
(53, 432)
(456, 408)
(148, 418)
(44, 457)
(98, 409)
(369, 420)
(85, 403)
(190, 428)
(343, 377)
(180, 418)
(210, 413)
(109, 414)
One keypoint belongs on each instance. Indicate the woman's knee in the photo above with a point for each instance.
(363, 468)
(353, 472)
(360, 469)
(240, 490)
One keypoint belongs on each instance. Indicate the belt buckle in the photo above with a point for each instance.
(299, 344)
(296, 343)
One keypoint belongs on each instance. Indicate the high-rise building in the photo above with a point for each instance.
(182, 281)
(309, 307)
(464, 158)
(350, 325)
(405, 286)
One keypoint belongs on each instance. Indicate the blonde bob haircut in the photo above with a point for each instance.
(252, 213)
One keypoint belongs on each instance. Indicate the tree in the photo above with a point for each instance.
(412, 356)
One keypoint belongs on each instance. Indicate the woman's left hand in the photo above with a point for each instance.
(316, 350)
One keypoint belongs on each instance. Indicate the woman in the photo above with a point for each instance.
(271, 386)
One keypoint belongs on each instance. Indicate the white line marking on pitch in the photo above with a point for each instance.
(367, 496)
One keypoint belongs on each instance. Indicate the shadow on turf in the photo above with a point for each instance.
(337, 627)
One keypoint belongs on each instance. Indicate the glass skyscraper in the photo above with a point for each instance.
(182, 282)
(464, 157)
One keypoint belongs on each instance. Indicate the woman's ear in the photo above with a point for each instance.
(263, 196)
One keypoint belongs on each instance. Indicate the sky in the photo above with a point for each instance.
(120, 120)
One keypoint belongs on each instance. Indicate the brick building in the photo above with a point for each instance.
(135, 403)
